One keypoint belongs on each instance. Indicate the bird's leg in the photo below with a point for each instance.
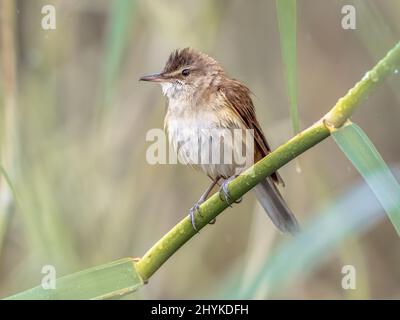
(224, 193)
(196, 207)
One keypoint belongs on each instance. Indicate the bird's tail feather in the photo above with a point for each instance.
(271, 200)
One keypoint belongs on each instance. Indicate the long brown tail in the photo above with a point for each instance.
(271, 200)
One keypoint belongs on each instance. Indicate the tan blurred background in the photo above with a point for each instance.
(87, 195)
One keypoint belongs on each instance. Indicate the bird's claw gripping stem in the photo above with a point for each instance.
(224, 193)
(192, 211)
(196, 207)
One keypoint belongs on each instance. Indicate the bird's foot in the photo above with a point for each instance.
(192, 212)
(196, 209)
(224, 193)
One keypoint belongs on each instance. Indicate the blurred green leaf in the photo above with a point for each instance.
(362, 153)
(8, 115)
(374, 29)
(119, 29)
(376, 33)
(4, 173)
(287, 18)
(4, 213)
(103, 282)
(350, 214)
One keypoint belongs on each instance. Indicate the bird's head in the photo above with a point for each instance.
(186, 74)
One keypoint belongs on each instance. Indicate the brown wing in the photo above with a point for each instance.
(239, 100)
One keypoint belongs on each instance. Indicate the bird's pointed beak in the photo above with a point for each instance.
(155, 77)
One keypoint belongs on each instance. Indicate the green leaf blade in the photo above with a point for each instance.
(357, 147)
(287, 19)
(119, 29)
(102, 282)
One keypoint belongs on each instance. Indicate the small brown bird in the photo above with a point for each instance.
(202, 99)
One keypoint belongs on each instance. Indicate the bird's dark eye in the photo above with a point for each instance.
(185, 72)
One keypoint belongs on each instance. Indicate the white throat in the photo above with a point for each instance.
(172, 90)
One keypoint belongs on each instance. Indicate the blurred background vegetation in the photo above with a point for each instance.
(73, 125)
